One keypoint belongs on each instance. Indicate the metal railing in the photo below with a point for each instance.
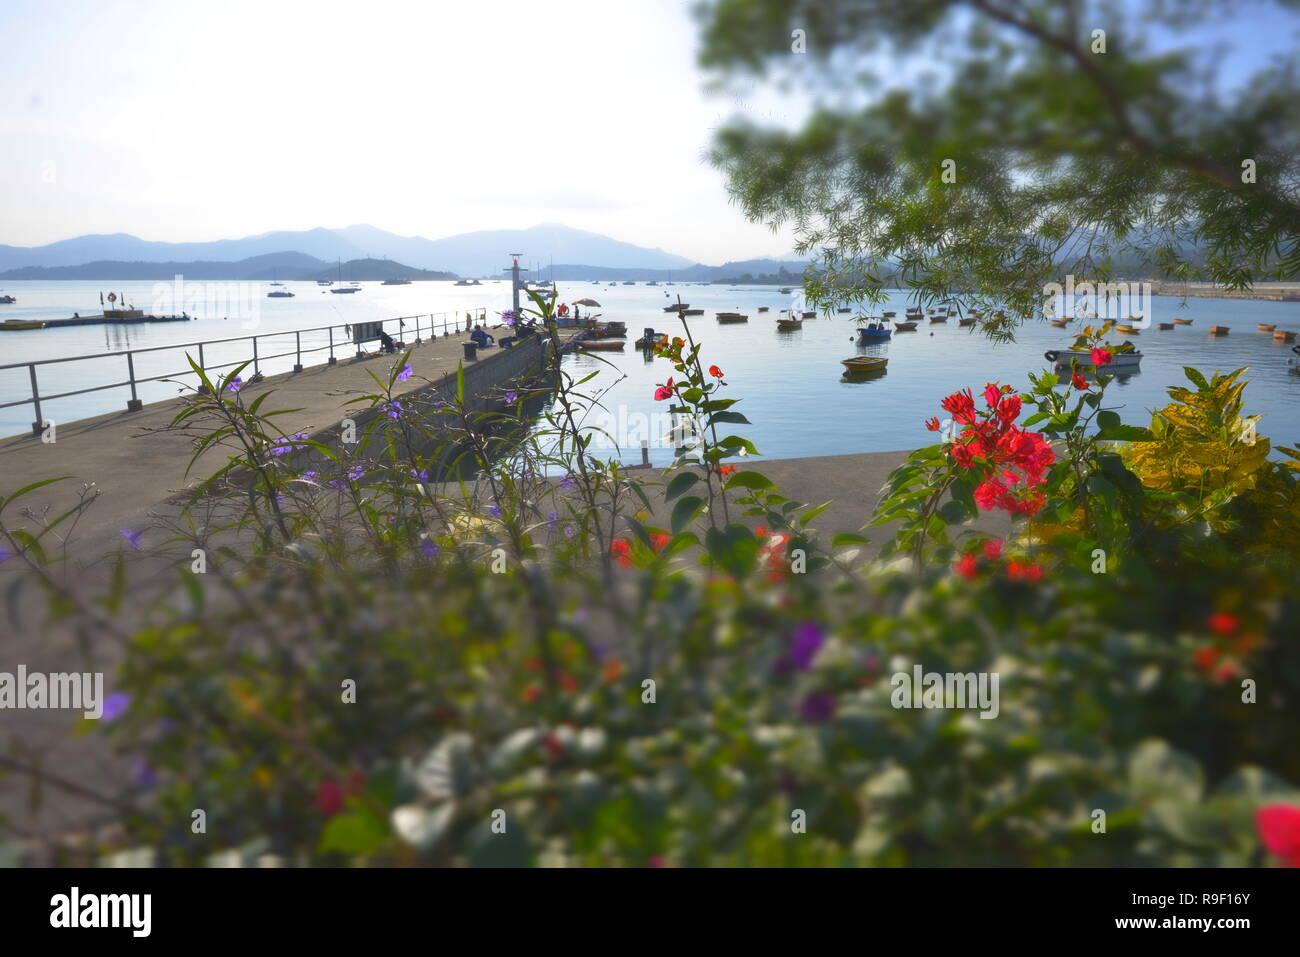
(447, 322)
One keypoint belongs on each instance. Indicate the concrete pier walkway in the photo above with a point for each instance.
(135, 467)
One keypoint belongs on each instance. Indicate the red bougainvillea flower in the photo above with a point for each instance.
(1100, 357)
(761, 531)
(932, 424)
(715, 372)
(961, 405)
(727, 470)
(329, 797)
(993, 549)
(620, 549)
(1206, 657)
(1025, 571)
(992, 393)
(554, 747)
(1279, 831)
(966, 567)
(1079, 382)
(659, 540)
(1221, 623)
(988, 493)
(1009, 408)
(962, 454)
(664, 391)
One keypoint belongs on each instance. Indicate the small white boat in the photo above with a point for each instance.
(1063, 358)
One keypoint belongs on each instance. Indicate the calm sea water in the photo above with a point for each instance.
(790, 383)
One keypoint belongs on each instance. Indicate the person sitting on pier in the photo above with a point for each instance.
(481, 338)
(386, 342)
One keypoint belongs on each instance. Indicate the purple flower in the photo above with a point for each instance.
(357, 473)
(132, 537)
(494, 511)
(818, 707)
(235, 384)
(569, 480)
(509, 318)
(428, 548)
(420, 475)
(115, 706)
(808, 638)
(143, 772)
(393, 410)
(4, 554)
(338, 483)
(512, 398)
(310, 476)
(568, 531)
(552, 518)
(291, 444)
(406, 373)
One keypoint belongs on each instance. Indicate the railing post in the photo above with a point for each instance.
(417, 330)
(332, 359)
(297, 338)
(255, 368)
(202, 390)
(39, 425)
(135, 405)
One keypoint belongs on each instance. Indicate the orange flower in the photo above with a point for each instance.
(660, 541)
(612, 671)
(715, 372)
(620, 549)
(932, 424)
(1206, 657)
(727, 470)
(568, 682)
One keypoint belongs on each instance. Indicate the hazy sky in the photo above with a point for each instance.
(185, 120)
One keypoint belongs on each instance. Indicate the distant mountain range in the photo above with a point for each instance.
(482, 254)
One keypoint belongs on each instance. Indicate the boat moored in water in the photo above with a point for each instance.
(1127, 359)
(729, 317)
(873, 331)
(18, 325)
(603, 345)
(788, 325)
(864, 365)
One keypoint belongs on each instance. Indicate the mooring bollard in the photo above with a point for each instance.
(471, 350)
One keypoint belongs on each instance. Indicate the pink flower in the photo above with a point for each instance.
(993, 549)
(966, 567)
(1279, 831)
(1100, 356)
(664, 391)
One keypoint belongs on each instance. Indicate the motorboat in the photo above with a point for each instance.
(18, 325)
(873, 331)
(788, 325)
(1127, 359)
(279, 294)
(730, 317)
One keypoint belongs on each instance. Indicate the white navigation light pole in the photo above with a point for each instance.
(514, 283)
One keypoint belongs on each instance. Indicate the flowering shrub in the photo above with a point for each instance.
(402, 638)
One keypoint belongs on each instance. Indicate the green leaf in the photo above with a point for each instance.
(359, 831)
(680, 483)
(685, 511)
(845, 539)
(735, 417)
(753, 480)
